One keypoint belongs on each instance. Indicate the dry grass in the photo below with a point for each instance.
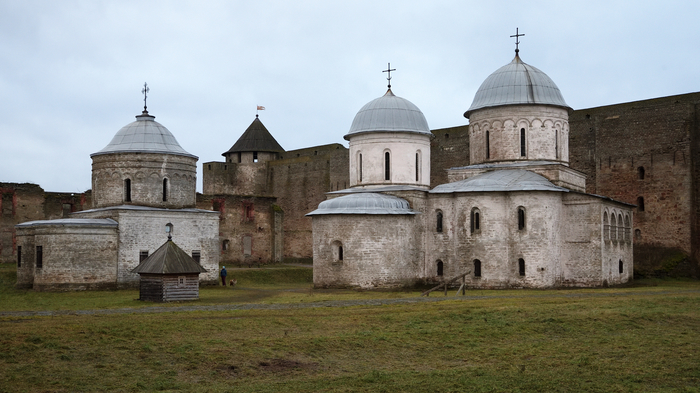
(643, 338)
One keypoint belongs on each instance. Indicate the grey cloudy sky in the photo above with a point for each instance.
(71, 72)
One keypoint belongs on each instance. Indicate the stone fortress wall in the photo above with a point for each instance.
(645, 149)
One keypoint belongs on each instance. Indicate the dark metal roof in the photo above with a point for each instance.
(169, 259)
(255, 138)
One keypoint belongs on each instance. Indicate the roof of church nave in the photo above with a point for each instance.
(517, 83)
(255, 138)
(145, 135)
(363, 203)
(389, 113)
(501, 180)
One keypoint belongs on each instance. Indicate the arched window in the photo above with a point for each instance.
(620, 229)
(475, 220)
(640, 173)
(225, 245)
(621, 267)
(613, 228)
(387, 166)
(606, 227)
(477, 268)
(628, 229)
(488, 147)
(337, 251)
(522, 142)
(521, 218)
(521, 267)
(417, 166)
(438, 227)
(165, 190)
(637, 234)
(439, 268)
(127, 190)
(640, 204)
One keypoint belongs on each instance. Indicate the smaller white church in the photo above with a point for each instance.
(516, 216)
(143, 187)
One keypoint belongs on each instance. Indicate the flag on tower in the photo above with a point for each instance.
(261, 108)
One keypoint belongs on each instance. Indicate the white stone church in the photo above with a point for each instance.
(143, 185)
(516, 216)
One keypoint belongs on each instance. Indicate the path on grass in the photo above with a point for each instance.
(332, 303)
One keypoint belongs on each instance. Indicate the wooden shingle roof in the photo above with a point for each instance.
(169, 259)
(255, 138)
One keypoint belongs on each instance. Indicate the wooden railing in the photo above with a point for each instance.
(445, 284)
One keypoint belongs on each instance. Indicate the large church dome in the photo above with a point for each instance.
(145, 135)
(517, 83)
(389, 113)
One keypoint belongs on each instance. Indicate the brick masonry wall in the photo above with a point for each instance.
(378, 251)
(73, 257)
(28, 202)
(146, 172)
(245, 216)
(611, 143)
(144, 230)
(449, 149)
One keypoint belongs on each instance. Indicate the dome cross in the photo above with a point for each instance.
(388, 70)
(517, 40)
(145, 91)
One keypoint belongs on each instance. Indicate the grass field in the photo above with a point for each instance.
(640, 338)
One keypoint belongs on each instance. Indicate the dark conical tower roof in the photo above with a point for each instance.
(255, 138)
(169, 259)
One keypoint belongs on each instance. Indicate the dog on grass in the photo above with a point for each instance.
(232, 282)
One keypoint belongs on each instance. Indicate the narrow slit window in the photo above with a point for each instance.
(127, 190)
(488, 147)
(19, 256)
(521, 267)
(640, 173)
(439, 268)
(621, 266)
(477, 268)
(438, 227)
(640, 204)
(165, 190)
(521, 218)
(556, 144)
(522, 142)
(340, 253)
(475, 220)
(197, 256)
(417, 166)
(360, 161)
(255, 156)
(39, 257)
(387, 166)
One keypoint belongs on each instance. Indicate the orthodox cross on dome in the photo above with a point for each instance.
(517, 40)
(145, 91)
(388, 71)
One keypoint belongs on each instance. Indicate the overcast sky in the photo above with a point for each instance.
(71, 72)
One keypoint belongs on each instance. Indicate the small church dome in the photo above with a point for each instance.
(363, 203)
(389, 113)
(517, 83)
(145, 135)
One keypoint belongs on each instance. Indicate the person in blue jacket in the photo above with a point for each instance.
(223, 275)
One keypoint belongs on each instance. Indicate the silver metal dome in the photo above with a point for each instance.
(389, 113)
(503, 180)
(145, 135)
(363, 203)
(517, 83)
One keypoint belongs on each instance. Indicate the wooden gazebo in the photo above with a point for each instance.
(169, 274)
